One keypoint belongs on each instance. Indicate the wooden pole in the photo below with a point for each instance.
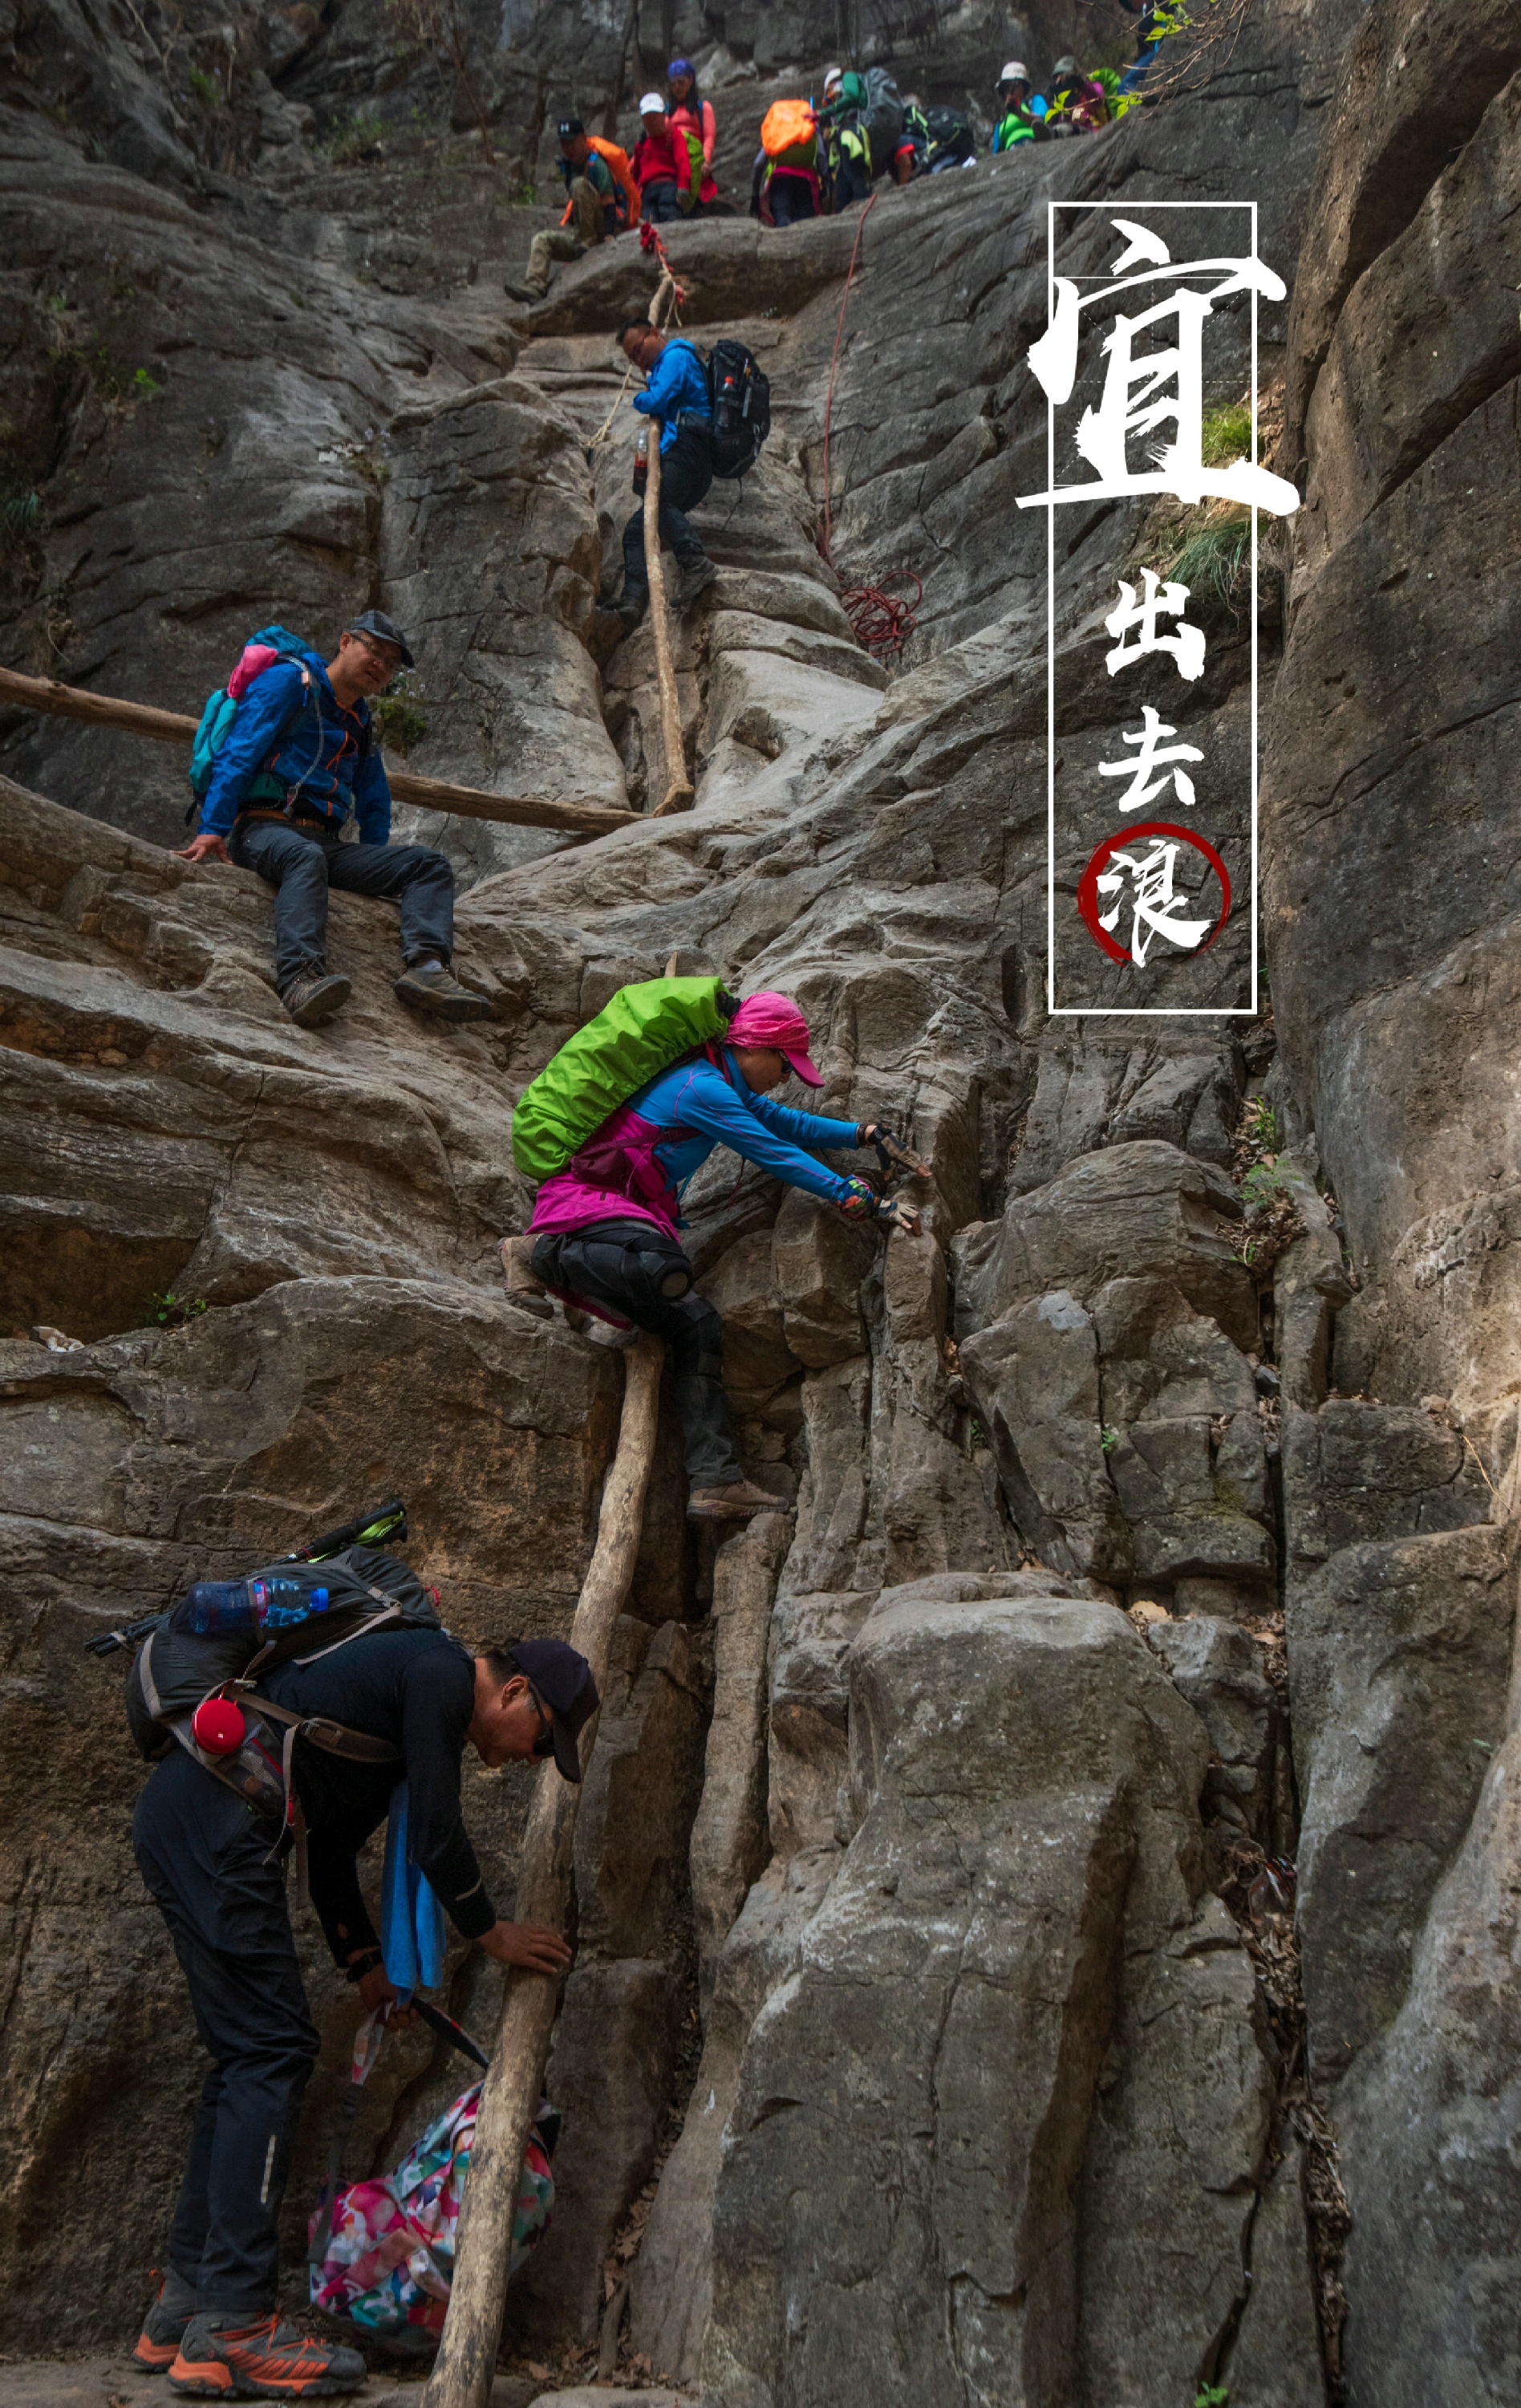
(60, 701)
(678, 795)
(466, 2359)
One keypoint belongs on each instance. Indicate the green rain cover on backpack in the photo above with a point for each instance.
(642, 1032)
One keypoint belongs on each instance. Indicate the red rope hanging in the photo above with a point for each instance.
(650, 240)
(882, 622)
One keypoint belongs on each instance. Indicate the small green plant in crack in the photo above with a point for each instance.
(206, 88)
(356, 137)
(1225, 433)
(21, 514)
(1261, 1124)
(171, 1312)
(1210, 561)
(1211, 2395)
(1263, 1183)
(402, 722)
(1109, 1438)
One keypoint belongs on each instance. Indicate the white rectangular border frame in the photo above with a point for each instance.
(1056, 1010)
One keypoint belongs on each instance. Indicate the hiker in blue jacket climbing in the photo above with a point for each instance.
(677, 398)
(299, 761)
(605, 1229)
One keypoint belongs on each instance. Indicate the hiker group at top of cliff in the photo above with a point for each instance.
(815, 159)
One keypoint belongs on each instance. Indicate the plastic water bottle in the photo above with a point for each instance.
(214, 1606)
(278, 1603)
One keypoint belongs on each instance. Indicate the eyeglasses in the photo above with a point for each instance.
(544, 1743)
(381, 656)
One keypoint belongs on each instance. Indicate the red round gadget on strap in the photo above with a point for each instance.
(219, 1725)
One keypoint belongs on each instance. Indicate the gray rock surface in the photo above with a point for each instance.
(928, 2089)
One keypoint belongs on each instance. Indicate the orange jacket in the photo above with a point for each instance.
(623, 177)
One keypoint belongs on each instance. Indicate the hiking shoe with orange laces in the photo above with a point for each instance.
(164, 2327)
(221, 2358)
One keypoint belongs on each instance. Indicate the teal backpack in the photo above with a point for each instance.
(261, 652)
(642, 1032)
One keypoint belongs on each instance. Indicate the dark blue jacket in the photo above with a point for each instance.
(678, 382)
(301, 735)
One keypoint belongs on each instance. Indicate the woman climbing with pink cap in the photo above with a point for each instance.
(605, 1228)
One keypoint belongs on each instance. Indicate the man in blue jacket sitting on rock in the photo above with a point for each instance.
(301, 758)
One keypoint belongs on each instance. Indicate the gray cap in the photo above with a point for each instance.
(385, 631)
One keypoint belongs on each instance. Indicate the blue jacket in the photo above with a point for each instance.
(678, 381)
(303, 736)
(644, 1152)
(703, 1108)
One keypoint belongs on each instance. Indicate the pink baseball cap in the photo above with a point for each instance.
(774, 1020)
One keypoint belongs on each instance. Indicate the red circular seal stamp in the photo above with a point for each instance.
(1088, 890)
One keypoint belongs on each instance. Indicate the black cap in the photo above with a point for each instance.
(570, 126)
(384, 630)
(563, 1681)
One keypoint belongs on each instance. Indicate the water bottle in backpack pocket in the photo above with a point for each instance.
(741, 400)
(225, 1633)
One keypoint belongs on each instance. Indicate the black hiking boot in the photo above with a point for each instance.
(163, 2326)
(628, 610)
(430, 988)
(695, 579)
(314, 995)
(530, 294)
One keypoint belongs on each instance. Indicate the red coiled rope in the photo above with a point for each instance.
(882, 622)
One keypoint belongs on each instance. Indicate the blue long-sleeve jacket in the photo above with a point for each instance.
(300, 734)
(644, 1155)
(678, 382)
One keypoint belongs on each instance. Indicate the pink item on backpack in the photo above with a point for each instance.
(256, 659)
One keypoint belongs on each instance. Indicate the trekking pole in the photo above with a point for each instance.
(466, 2360)
(57, 700)
(678, 795)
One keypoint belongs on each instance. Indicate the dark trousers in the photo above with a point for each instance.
(852, 182)
(792, 199)
(659, 204)
(207, 1862)
(301, 865)
(641, 1273)
(686, 471)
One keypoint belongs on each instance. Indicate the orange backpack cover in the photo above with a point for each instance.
(622, 175)
(787, 125)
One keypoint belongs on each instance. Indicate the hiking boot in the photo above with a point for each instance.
(164, 2327)
(432, 988)
(629, 611)
(695, 579)
(733, 1502)
(222, 2358)
(314, 995)
(518, 1277)
(531, 295)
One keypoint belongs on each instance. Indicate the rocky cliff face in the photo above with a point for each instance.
(940, 2030)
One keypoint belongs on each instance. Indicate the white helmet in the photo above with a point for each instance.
(831, 77)
(1015, 72)
(652, 105)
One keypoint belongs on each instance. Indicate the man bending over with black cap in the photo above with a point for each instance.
(215, 1867)
(301, 756)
